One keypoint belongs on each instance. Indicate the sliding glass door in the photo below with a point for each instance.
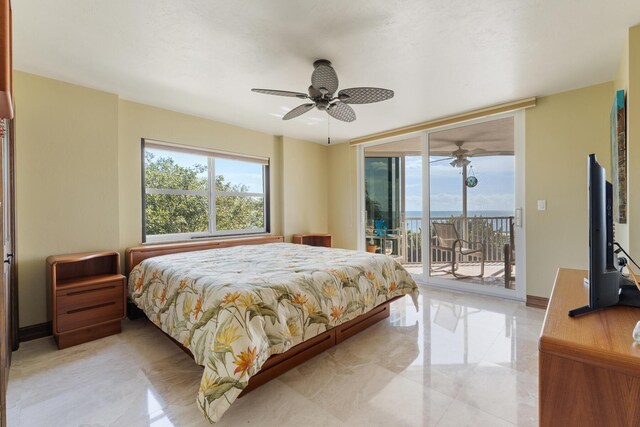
(447, 204)
(472, 199)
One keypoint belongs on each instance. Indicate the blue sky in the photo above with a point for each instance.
(495, 189)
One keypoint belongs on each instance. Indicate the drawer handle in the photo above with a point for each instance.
(91, 307)
(90, 290)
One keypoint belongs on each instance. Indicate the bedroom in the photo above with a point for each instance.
(91, 80)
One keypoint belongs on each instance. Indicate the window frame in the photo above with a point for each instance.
(212, 193)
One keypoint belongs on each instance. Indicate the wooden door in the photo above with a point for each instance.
(8, 232)
(8, 291)
(5, 330)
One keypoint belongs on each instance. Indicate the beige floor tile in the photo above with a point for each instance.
(503, 392)
(462, 415)
(460, 360)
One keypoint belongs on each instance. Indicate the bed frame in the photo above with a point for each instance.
(278, 363)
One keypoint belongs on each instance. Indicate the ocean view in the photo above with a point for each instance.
(414, 217)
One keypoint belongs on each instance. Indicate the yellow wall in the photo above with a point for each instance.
(304, 182)
(628, 79)
(137, 121)
(343, 187)
(633, 139)
(560, 132)
(66, 177)
(78, 174)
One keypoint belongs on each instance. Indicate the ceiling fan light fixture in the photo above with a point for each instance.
(460, 162)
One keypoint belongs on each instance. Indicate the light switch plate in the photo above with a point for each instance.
(542, 205)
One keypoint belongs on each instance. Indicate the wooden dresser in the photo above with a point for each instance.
(589, 365)
(88, 296)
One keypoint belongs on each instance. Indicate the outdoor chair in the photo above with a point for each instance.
(448, 240)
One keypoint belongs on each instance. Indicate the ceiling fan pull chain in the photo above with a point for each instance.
(328, 130)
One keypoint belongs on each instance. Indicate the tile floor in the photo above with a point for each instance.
(493, 273)
(462, 360)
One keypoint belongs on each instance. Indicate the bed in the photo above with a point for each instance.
(248, 313)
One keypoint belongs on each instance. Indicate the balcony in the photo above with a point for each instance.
(467, 174)
(495, 234)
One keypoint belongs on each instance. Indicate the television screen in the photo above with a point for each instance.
(607, 286)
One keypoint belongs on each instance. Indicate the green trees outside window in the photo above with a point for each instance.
(178, 198)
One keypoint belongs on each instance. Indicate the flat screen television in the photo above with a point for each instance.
(607, 285)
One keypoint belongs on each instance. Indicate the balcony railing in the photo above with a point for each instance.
(494, 232)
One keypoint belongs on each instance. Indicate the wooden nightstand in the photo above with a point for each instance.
(87, 295)
(313, 239)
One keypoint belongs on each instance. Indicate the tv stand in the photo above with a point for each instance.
(589, 368)
(629, 296)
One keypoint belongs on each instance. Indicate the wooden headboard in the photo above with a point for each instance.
(135, 255)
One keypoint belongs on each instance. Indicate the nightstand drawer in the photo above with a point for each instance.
(90, 295)
(89, 306)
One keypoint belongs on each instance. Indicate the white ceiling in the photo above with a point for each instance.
(441, 57)
(492, 137)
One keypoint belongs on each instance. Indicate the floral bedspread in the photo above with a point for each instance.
(235, 307)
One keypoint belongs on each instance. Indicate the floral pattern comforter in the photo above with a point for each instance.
(235, 307)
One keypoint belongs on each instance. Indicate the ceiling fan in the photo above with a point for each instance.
(324, 84)
(461, 155)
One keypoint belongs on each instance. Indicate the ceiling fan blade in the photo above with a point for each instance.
(441, 160)
(364, 95)
(324, 76)
(299, 110)
(341, 111)
(492, 153)
(281, 93)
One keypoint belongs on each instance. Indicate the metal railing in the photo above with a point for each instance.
(494, 232)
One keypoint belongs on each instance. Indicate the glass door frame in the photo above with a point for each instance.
(519, 194)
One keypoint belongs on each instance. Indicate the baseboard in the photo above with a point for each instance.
(537, 302)
(34, 332)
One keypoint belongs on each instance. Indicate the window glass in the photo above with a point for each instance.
(237, 176)
(174, 214)
(174, 170)
(180, 202)
(238, 213)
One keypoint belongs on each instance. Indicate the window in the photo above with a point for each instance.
(193, 193)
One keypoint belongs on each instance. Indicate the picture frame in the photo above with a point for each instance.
(619, 157)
